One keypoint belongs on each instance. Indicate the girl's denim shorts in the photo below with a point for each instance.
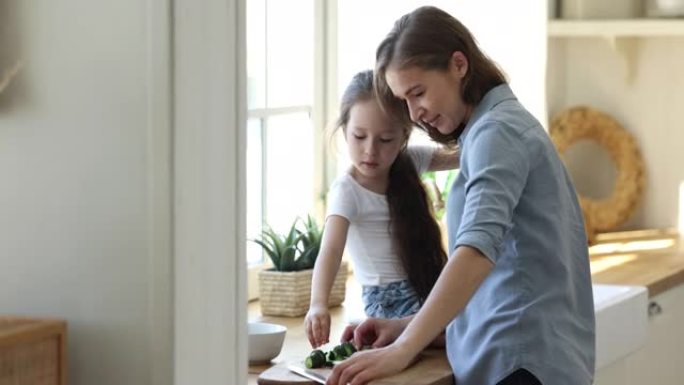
(394, 300)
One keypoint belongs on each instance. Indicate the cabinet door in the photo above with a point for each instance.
(661, 360)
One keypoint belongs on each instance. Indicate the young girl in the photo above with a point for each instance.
(515, 296)
(380, 212)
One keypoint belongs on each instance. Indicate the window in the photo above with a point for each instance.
(362, 25)
(280, 131)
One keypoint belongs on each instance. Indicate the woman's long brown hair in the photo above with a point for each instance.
(427, 38)
(416, 237)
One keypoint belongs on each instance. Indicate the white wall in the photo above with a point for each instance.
(588, 71)
(84, 229)
(520, 51)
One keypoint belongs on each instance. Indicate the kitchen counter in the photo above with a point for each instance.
(651, 258)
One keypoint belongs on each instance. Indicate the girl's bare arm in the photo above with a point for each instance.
(329, 258)
(317, 320)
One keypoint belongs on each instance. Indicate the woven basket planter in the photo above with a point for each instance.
(288, 293)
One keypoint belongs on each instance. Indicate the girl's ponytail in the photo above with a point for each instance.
(415, 232)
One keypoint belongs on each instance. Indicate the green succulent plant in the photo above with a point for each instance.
(297, 249)
(309, 245)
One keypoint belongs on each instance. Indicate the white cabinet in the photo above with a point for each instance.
(661, 360)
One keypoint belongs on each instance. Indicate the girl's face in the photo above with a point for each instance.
(373, 141)
(433, 97)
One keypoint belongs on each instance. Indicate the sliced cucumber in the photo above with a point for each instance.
(315, 360)
(349, 348)
(319, 359)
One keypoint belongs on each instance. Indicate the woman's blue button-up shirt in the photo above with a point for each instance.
(514, 201)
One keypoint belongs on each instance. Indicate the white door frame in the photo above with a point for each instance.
(209, 192)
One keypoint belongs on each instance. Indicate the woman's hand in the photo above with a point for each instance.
(365, 366)
(374, 332)
(317, 325)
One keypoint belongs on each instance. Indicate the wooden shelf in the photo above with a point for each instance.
(616, 28)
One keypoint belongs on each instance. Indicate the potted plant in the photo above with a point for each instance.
(285, 289)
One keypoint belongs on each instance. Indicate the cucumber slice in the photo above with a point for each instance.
(316, 359)
(340, 352)
(308, 362)
(349, 348)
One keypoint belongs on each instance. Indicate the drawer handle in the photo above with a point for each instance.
(654, 309)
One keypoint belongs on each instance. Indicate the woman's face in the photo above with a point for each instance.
(433, 96)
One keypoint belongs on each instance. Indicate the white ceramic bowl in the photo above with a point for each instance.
(265, 341)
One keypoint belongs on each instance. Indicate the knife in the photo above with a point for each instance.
(310, 374)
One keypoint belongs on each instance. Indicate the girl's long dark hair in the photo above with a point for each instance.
(416, 235)
(417, 238)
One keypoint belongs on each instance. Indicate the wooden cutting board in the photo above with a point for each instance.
(432, 368)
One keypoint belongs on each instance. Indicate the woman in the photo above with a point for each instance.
(515, 295)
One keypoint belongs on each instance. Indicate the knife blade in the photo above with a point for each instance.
(310, 374)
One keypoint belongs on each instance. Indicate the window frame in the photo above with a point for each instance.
(320, 112)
